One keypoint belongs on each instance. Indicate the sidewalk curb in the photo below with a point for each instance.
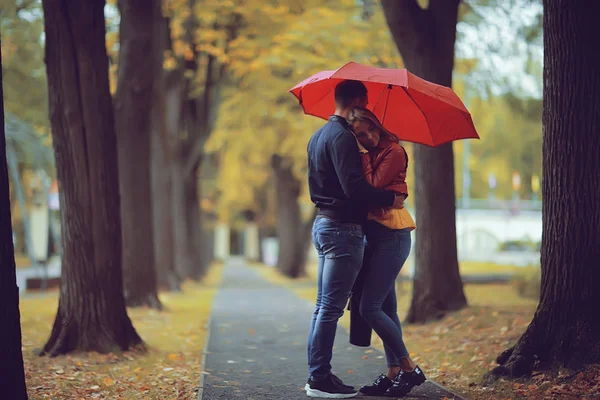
(204, 353)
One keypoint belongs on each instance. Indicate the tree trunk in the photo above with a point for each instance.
(194, 223)
(425, 39)
(183, 253)
(565, 328)
(91, 313)
(12, 376)
(139, 69)
(161, 156)
(162, 205)
(292, 232)
(162, 216)
(176, 97)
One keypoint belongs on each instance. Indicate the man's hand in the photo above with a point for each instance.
(361, 148)
(398, 202)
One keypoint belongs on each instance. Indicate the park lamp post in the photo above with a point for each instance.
(492, 184)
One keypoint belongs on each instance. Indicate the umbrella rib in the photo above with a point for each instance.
(422, 112)
(389, 92)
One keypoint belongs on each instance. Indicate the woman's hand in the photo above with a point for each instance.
(361, 148)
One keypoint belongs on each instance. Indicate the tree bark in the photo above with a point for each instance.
(194, 231)
(139, 69)
(161, 170)
(12, 376)
(425, 39)
(293, 233)
(91, 313)
(565, 329)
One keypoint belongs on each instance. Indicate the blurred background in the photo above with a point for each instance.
(248, 186)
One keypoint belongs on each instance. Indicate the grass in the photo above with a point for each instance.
(466, 268)
(170, 369)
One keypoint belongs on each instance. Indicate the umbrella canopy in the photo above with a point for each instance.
(413, 109)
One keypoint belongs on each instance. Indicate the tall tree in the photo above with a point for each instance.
(425, 38)
(12, 376)
(139, 68)
(161, 172)
(565, 328)
(292, 231)
(192, 83)
(91, 312)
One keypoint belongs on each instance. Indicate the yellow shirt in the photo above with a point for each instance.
(395, 219)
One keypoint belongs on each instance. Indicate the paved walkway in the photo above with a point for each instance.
(257, 345)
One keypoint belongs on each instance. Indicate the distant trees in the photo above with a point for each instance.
(139, 74)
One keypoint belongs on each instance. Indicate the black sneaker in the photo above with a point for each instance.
(339, 382)
(379, 387)
(335, 379)
(405, 381)
(329, 388)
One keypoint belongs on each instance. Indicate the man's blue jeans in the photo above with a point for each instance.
(341, 248)
(387, 251)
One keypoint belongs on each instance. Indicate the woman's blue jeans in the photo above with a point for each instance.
(385, 254)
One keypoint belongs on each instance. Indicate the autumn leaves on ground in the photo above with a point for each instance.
(455, 351)
(170, 368)
(459, 349)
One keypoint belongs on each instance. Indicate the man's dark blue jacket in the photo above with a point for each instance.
(335, 177)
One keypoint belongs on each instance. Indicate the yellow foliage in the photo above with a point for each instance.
(258, 117)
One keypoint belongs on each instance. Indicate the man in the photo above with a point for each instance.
(343, 198)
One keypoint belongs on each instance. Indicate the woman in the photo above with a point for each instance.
(388, 245)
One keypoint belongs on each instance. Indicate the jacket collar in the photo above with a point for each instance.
(341, 120)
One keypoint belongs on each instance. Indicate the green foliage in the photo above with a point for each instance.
(23, 69)
(511, 140)
(526, 282)
(519, 245)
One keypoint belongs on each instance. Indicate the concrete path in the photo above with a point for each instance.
(257, 345)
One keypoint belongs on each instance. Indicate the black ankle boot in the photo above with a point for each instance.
(405, 381)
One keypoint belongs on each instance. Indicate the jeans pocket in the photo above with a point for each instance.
(331, 244)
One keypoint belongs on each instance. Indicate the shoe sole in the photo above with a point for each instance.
(404, 394)
(324, 395)
(307, 387)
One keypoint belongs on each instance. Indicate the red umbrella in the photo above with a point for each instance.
(411, 108)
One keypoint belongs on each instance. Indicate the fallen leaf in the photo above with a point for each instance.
(108, 381)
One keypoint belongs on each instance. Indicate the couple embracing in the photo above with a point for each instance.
(356, 177)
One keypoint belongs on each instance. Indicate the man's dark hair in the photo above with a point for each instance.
(346, 92)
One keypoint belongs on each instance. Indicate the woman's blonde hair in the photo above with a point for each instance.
(358, 114)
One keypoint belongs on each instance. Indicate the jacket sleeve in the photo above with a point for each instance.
(347, 164)
(389, 168)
